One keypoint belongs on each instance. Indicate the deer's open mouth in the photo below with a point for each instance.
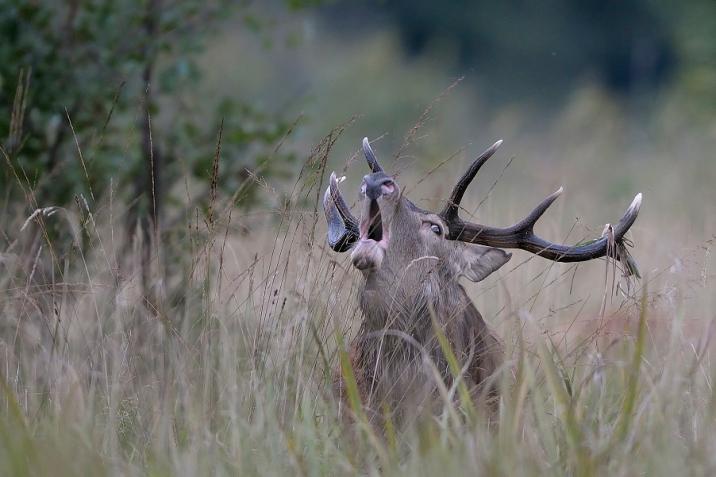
(371, 226)
(370, 248)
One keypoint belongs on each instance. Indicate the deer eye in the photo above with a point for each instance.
(436, 229)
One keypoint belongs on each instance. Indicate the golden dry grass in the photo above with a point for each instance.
(226, 370)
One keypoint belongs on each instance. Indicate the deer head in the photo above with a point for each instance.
(392, 226)
(412, 258)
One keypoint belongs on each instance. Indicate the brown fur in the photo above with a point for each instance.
(396, 355)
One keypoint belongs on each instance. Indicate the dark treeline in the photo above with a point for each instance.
(517, 47)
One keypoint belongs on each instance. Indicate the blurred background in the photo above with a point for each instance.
(127, 102)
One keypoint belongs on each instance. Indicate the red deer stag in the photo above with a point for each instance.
(411, 260)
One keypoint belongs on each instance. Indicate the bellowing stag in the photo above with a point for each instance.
(411, 260)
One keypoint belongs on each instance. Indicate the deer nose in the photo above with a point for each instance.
(373, 184)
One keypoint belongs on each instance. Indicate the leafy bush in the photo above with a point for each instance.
(91, 92)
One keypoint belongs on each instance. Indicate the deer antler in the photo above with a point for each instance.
(521, 235)
(342, 225)
(370, 156)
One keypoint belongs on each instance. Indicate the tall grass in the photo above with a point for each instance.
(228, 369)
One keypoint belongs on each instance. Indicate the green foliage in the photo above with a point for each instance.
(83, 76)
(61, 56)
(250, 148)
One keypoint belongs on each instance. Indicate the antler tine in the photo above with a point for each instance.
(529, 222)
(370, 156)
(453, 204)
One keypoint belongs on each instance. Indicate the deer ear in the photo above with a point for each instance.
(478, 262)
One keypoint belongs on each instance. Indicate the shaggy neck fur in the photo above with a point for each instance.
(396, 355)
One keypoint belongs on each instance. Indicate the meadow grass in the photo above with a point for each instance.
(226, 367)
